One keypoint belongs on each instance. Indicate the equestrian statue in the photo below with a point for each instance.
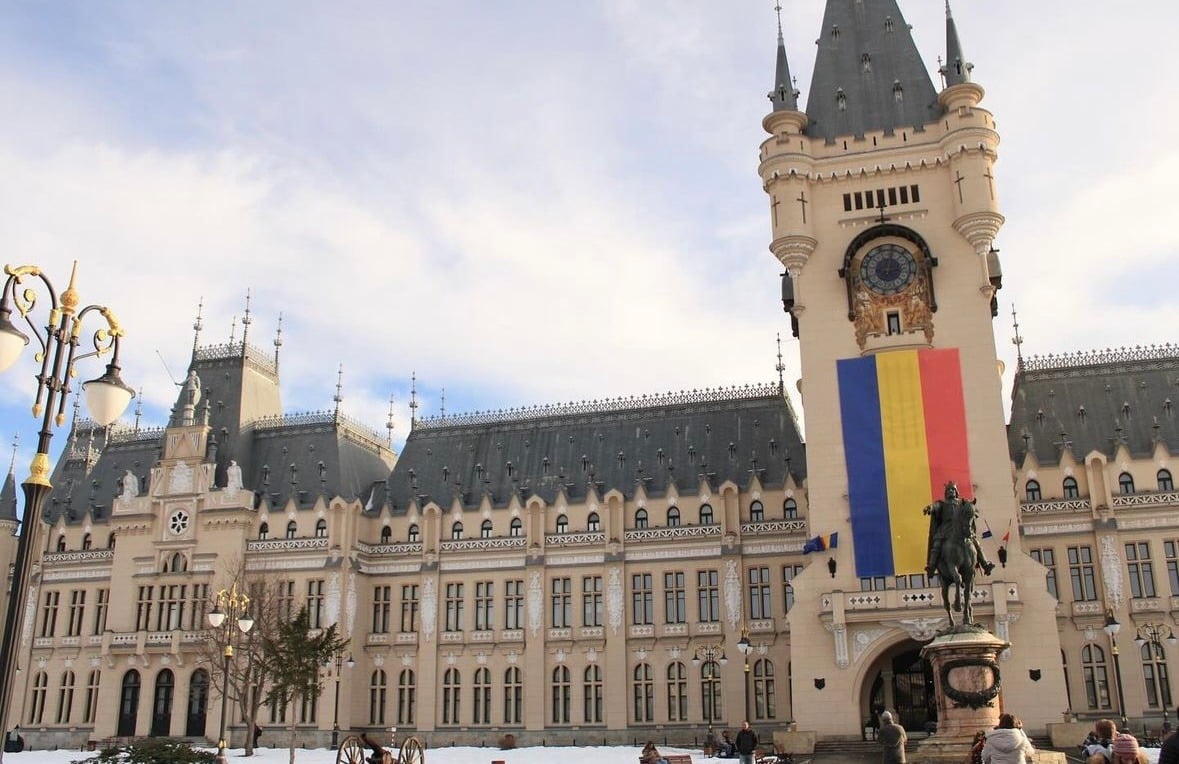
(954, 551)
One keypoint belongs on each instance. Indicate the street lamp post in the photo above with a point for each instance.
(229, 606)
(1153, 634)
(106, 398)
(338, 659)
(709, 656)
(1112, 627)
(746, 647)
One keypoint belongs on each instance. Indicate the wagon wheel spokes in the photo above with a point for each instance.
(411, 752)
(352, 751)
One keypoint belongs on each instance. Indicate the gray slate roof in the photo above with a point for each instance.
(1094, 401)
(655, 441)
(331, 454)
(8, 497)
(866, 53)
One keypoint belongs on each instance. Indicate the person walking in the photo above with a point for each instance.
(1007, 743)
(1169, 753)
(892, 738)
(746, 743)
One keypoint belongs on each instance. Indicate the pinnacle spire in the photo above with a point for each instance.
(784, 96)
(956, 69)
(8, 492)
(197, 326)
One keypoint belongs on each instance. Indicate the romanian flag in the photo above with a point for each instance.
(821, 543)
(904, 438)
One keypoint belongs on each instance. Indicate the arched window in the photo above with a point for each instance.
(91, 710)
(673, 517)
(292, 529)
(562, 524)
(1070, 488)
(482, 696)
(1095, 677)
(1126, 483)
(485, 530)
(264, 531)
(414, 535)
(640, 519)
(757, 512)
(1154, 672)
(406, 696)
(451, 685)
(592, 694)
(1166, 484)
(377, 696)
(677, 692)
(790, 509)
(456, 532)
(516, 529)
(128, 704)
(65, 698)
(161, 707)
(706, 517)
(513, 696)
(710, 690)
(561, 691)
(764, 704)
(593, 523)
(87, 542)
(177, 564)
(61, 547)
(321, 528)
(1032, 490)
(644, 690)
(386, 534)
(37, 702)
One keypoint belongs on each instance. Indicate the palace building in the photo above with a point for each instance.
(644, 568)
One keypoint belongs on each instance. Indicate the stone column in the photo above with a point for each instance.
(966, 684)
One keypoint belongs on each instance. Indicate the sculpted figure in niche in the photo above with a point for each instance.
(130, 485)
(233, 476)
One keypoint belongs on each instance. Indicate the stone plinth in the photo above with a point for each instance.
(966, 686)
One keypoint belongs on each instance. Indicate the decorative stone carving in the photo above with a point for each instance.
(614, 599)
(1111, 572)
(429, 608)
(733, 594)
(180, 479)
(332, 600)
(863, 640)
(535, 603)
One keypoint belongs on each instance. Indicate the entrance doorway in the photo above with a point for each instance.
(198, 701)
(128, 704)
(902, 682)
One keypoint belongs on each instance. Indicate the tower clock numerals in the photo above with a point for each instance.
(888, 269)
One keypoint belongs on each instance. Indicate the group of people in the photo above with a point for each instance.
(1105, 745)
(742, 747)
(1005, 744)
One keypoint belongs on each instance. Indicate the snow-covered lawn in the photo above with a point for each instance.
(455, 755)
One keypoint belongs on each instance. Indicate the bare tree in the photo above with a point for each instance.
(250, 670)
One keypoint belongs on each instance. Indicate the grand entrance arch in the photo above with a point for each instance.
(901, 682)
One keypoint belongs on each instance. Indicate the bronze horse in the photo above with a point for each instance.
(957, 561)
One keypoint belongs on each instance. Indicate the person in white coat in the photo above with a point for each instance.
(1007, 743)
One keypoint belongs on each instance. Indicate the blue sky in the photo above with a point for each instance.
(526, 202)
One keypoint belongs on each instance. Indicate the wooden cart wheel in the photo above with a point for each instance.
(412, 752)
(352, 751)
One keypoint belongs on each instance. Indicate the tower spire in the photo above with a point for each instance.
(138, 409)
(389, 421)
(12, 461)
(957, 69)
(442, 407)
(339, 397)
(246, 321)
(413, 399)
(784, 97)
(1017, 340)
(277, 341)
(781, 367)
(197, 326)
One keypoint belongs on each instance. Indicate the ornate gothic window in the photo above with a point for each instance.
(644, 692)
(673, 517)
(386, 534)
(757, 512)
(562, 524)
(592, 694)
(456, 531)
(764, 705)
(485, 531)
(1166, 484)
(1070, 488)
(561, 695)
(640, 518)
(1032, 490)
(377, 695)
(1096, 678)
(321, 529)
(414, 535)
(406, 696)
(593, 523)
(706, 517)
(1126, 483)
(516, 528)
(263, 531)
(790, 509)
(292, 529)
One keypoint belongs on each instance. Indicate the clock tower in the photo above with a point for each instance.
(884, 210)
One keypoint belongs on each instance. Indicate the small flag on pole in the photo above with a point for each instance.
(821, 543)
(1007, 533)
(987, 533)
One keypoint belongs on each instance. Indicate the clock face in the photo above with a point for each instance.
(888, 268)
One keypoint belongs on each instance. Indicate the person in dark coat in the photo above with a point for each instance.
(13, 742)
(1169, 754)
(893, 739)
(728, 749)
(746, 743)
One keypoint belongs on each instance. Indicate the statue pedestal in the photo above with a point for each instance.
(966, 686)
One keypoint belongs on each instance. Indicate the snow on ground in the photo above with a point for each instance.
(449, 755)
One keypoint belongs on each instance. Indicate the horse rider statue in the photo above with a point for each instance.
(941, 514)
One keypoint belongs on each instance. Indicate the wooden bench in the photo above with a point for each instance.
(674, 758)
